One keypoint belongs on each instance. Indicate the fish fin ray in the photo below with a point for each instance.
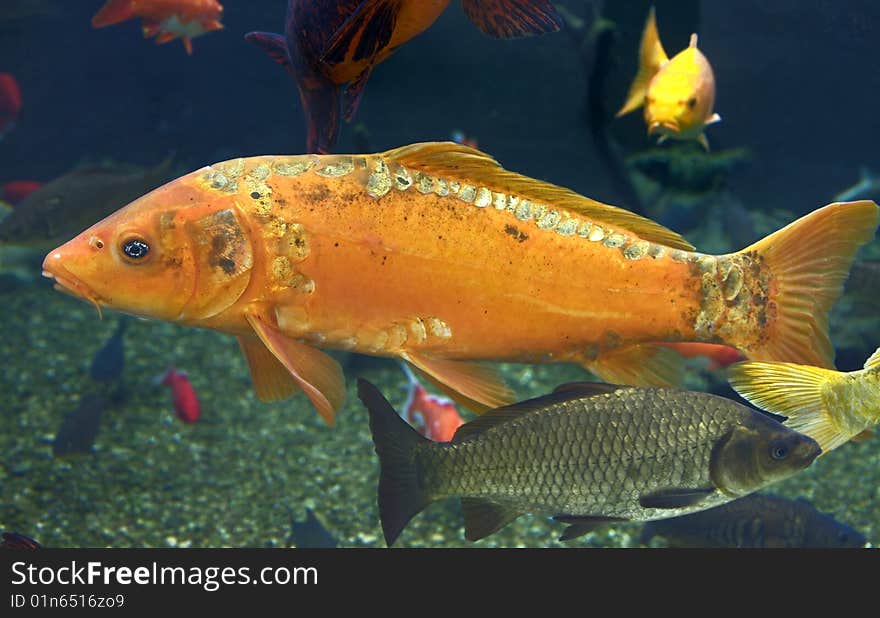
(874, 360)
(114, 12)
(675, 497)
(401, 496)
(507, 19)
(482, 517)
(652, 56)
(794, 391)
(451, 160)
(270, 378)
(579, 525)
(275, 46)
(863, 435)
(701, 138)
(473, 385)
(354, 92)
(639, 365)
(809, 260)
(365, 33)
(319, 375)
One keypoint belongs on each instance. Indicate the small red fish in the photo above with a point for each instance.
(186, 403)
(10, 102)
(15, 191)
(164, 19)
(433, 416)
(719, 356)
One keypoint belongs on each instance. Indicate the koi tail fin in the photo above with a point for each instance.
(807, 263)
(651, 57)
(400, 495)
(795, 391)
(114, 12)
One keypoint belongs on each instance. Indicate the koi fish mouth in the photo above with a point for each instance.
(69, 284)
(666, 128)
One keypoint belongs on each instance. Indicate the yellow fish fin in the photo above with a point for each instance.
(475, 386)
(316, 373)
(271, 380)
(874, 360)
(703, 141)
(808, 261)
(652, 56)
(451, 160)
(693, 41)
(639, 365)
(795, 391)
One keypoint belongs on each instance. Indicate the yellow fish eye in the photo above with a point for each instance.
(692, 102)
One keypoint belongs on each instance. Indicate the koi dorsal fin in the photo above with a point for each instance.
(451, 160)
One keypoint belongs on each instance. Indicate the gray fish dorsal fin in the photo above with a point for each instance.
(504, 414)
(482, 517)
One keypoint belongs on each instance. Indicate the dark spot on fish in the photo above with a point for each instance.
(518, 236)
(227, 265)
(336, 244)
(255, 195)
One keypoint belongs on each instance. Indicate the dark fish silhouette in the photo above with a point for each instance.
(757, 520)
(80, 427)
(15, 540)
(311, 532)
(588, 453)
(329, 45)
(109, 361)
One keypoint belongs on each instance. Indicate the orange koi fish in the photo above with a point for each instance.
(678, 94)
(329, 44)
(164, 19)
(434, 254)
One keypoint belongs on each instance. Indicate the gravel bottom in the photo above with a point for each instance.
(245, 470)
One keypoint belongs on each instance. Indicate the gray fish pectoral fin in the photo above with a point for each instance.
(583, 524)
(675, 497)
(482, 517)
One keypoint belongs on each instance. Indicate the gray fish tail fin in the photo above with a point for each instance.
(400, 496)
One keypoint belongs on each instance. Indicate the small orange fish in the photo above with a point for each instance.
(329, 44)
(433, 416)
(678, 94)
(164, 19)
(719, 356)
(434, 254)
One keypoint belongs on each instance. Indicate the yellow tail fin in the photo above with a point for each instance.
(651, 57)
(795, 391)
(807, 262)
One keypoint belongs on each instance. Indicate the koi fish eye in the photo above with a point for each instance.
(778, 450)
(692, 102)
(135, 249)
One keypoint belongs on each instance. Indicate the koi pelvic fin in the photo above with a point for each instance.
(639, 365)
(315, 372)
(475, 386)
(271, 380)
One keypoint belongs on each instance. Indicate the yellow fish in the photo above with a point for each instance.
(832, 407)
(678, 94)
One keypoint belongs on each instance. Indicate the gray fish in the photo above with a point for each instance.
(311, 532)
(109, 361)
(587, 453)
(757, 520)
(80, 427)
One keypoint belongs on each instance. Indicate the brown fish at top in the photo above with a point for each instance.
(329, 44)
(435, 254)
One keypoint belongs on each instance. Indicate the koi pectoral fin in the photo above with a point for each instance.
(271, 380)
(475, 386)
(639, 365)
(319, 376)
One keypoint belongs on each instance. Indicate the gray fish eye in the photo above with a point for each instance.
(135, 248)
(778, 451)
